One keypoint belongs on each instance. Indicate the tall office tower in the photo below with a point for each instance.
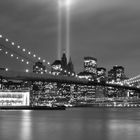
(101, 74)
(116, 74)
(64, 61)
(119, 73)
(70, 67)
(111, 75)
(90, 65)
(101, 77)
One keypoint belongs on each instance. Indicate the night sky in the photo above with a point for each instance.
(106, 29)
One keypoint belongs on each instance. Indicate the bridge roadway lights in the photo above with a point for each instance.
(26, 76)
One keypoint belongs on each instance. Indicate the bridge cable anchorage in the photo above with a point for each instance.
(22, 50)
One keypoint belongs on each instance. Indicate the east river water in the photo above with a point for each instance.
(71, 124)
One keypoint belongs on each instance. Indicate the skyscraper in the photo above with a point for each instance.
(90, 65)
(101, 74)
(101, 77)
(116, 74)
(89, 73)
(64, 61)
(70, 66)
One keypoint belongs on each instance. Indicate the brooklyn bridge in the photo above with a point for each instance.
(47, 73)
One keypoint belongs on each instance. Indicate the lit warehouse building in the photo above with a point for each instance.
(14, 98)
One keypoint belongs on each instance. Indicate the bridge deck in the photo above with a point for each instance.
(61, 79)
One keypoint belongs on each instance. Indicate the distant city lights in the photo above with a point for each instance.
(13, 43)
(27, 70)
(90, 64)
(23, 50)
(6, 69)
(103, 87)
(27, 62)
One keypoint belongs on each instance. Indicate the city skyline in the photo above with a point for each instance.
(108, 31)
(69, 69)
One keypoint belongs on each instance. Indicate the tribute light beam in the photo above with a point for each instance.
(66, 4)
(59, 48)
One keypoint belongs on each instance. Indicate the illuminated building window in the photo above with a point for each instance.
(90, 64)
(10, 98)
(56, 67)
(39, 68)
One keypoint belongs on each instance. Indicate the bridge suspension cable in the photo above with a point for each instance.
(24, 53)
(14, 54)
(134, 81)
(131, 79)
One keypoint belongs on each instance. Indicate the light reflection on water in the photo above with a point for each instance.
(72, 124)
(128, 129)
(26, 122)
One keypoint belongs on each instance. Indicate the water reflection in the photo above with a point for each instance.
(126, 129)
(73, 124)
(26, 124)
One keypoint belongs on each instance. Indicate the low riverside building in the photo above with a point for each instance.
(14, 98)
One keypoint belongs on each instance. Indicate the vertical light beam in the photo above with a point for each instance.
(68, 29)
(66, 5)
(59, 48)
